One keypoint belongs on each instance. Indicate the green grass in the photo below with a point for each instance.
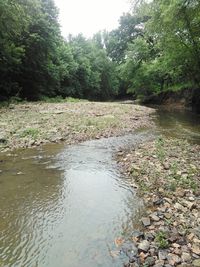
(30, 132)
(161, 240)
(160, 152)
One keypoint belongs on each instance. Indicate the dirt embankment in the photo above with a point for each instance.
(167, 175)
(187, 98)
(33, 124)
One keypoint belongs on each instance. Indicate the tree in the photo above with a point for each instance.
(12, 22)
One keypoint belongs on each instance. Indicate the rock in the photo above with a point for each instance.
(146, 221)
(149, 236)
(144, 245)
(190, 237)
(150, 261)
(196, 263)
(162, 255)
(157, 200)
(178, 206)
(137, 234)
(3, 138)
(173, 259)
(166, 166)
(159, 263)
(154, 217)
(173, 238)
(114, 253)
(185, 248)
(196, 240)
(168, 200)
(132, 260)
(130, 249)
(186, 257)
(152, 251)
(119, 241)
(184, 265)
(175, 245)
(177, 251)
(196, 249)
(190, 205)
(181, 241)
(168, 216)
(180, 192)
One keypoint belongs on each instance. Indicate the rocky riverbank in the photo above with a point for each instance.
(166, 174)
(33, 124)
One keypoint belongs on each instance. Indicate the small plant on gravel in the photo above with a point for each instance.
(160, 149)
(31, 132)
(161, 240)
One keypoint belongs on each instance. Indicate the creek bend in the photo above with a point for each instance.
(65, 206)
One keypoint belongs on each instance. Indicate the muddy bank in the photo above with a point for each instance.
(33, 124)
(187, 98)
(166, 173)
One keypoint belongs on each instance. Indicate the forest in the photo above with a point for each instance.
(155, 48)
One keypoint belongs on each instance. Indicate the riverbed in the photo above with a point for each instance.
(66, 206)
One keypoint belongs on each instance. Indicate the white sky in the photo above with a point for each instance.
(90, 16)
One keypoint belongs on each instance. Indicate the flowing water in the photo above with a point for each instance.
(64, 207)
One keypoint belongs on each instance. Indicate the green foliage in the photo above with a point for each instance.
(160, 149)
(167, 52)
(154, 49)
(161, 240)
(36, 62)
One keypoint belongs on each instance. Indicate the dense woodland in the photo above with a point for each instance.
(155, 48)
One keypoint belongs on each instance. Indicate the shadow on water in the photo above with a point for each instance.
(65, 206)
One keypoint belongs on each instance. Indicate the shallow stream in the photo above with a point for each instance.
(64, 206)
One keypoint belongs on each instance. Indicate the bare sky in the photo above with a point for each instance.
(90, 16)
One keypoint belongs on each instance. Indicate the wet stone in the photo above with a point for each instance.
(130, 249)
(137, 234)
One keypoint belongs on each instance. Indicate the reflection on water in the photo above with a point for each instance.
(179, 123)
(64, 207)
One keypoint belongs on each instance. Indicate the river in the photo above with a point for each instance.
(65, 206)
